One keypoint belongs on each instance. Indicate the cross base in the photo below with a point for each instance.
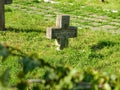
(61, 43)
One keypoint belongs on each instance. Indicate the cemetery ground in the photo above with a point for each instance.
(97, 45)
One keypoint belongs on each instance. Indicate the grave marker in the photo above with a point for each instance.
(62, 31)
(2, 13)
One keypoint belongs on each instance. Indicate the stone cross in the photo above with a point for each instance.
(62, 31)
(2, 13)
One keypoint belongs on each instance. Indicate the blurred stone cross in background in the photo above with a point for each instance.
(2, 13)
(62, 31)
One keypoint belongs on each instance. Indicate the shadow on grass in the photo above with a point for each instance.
(99, 46)
(24, 30)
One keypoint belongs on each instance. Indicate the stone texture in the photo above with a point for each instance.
(7, 1)
(2, 16)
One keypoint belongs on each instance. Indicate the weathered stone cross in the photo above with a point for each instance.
(2, 13)
(62, 31)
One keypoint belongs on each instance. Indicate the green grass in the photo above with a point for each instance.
(26, 23)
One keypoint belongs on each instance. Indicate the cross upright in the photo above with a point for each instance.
(2, 13)
(62, 31)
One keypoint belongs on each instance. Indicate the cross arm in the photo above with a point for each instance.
(50, 33)
(54, 33)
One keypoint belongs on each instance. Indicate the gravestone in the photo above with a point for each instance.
(62, 31)
(2, 13)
